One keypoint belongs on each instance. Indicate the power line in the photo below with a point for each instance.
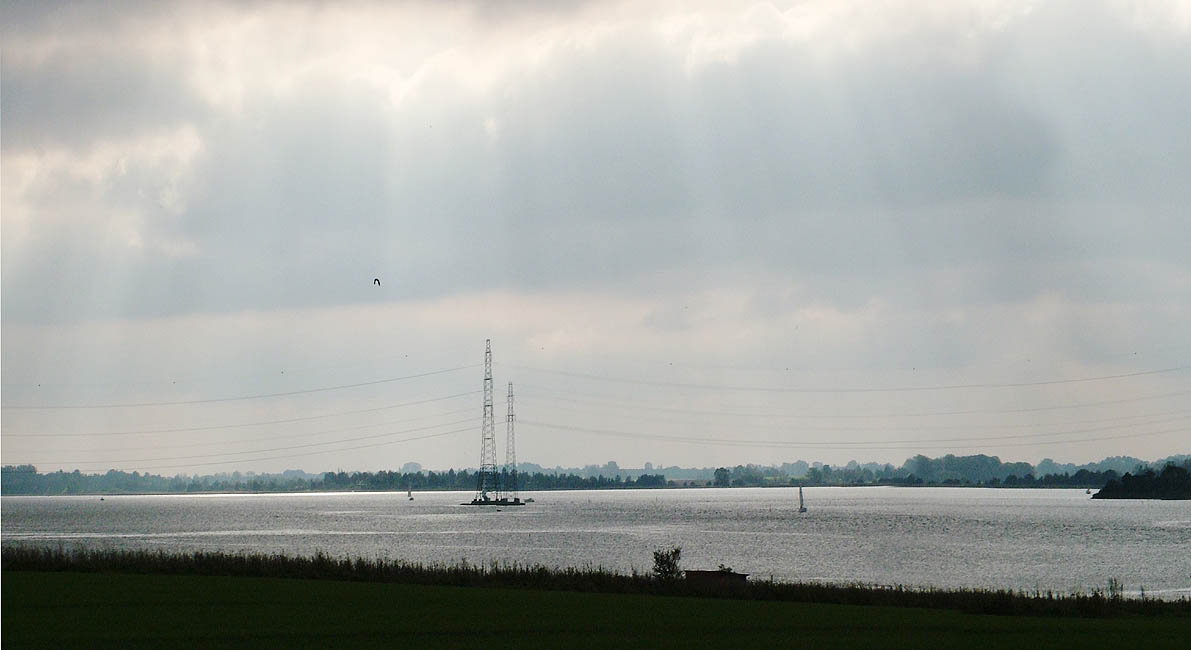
(1045, 434)
(241, 424)
(681, 363)
(826, 446)
(627, 403)
(262, 451)
(298, 435)
(290, 370)
(920, 427)
(246, 397)
(309, 453)
(772, 389)
(838, 445)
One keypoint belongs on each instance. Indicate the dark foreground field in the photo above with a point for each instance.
(109, 610)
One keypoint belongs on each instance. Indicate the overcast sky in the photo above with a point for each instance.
(697, 233)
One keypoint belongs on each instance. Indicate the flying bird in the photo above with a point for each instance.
(376, 281)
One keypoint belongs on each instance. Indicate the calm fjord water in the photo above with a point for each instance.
(947, 537)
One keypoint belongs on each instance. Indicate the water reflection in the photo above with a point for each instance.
(1022, 539)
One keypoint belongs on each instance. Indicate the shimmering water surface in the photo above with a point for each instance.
(1022, 539)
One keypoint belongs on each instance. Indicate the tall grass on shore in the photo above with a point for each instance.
(584, 579)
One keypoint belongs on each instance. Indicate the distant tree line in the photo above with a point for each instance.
(949, 470)
(465, 480)
(25, 479)
(1173, 482)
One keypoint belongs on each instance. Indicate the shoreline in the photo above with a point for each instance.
(1109, 602)
(548, 490)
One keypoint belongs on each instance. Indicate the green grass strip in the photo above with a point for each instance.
(118, 610)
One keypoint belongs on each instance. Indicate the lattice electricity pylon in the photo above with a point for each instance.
(489, 480)
(510, 451)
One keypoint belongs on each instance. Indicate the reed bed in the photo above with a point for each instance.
(1099, 603)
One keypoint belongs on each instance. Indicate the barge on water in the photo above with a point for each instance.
(503, 501)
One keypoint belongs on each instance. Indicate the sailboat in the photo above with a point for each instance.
(801, 503)
(410, 493)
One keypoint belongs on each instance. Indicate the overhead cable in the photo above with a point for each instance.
(245, 397)
(898, 389)
(308, 453)
(311, 434)
(877, 445)
(239, 425)
(874, 427)
(604, 402)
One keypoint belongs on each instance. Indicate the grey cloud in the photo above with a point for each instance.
(73, 101)
(1115, 94)
(72, 74)
(612, 166)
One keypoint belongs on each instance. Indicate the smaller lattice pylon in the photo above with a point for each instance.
(510, 450)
